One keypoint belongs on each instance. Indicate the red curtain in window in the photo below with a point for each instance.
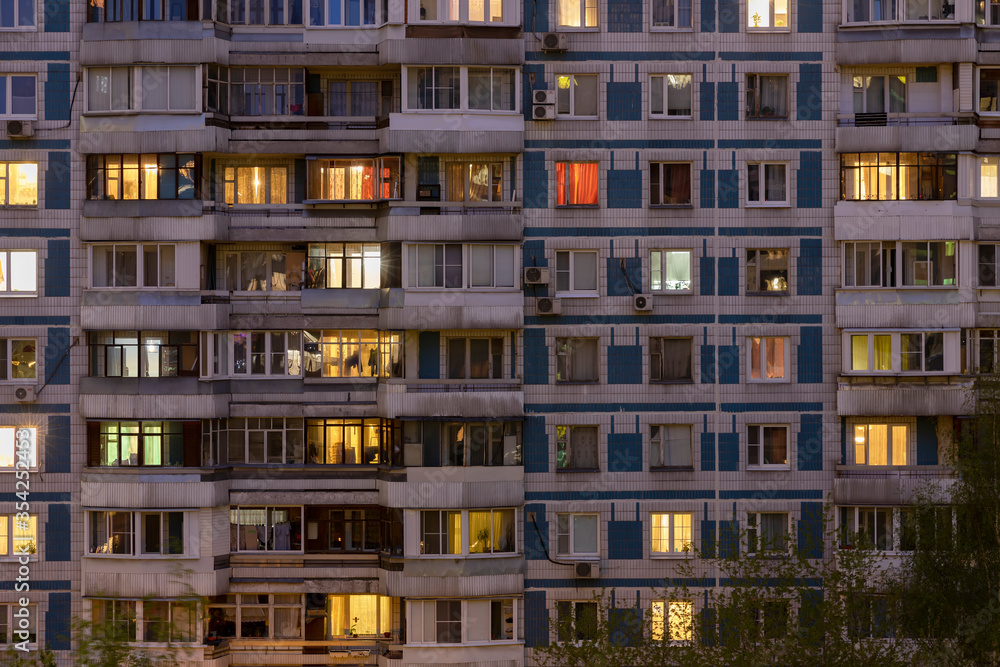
(583, 184)
(367, 184)
(560, 183)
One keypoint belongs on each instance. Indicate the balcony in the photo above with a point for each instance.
(446, 221)
(152, 398)
(910, 41)
(927, 220)
(896, 485)
(894, 133)
(903, 308)
(451, 398)
(456, 487)
(299, 134)
(454, 309)
(452, 132)
(135, 310)
(342, 651)
(904, 396)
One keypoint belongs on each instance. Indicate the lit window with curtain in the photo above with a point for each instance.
(989, 177)
(880, 94)
(670, 271)
(576, 183)
(671, 533)
(144, 176)
(767, 15)
(669, 184)
(491, 531)
(767, 184)
(474, 182)
(255, 184)
(881, 444)
(344, 266)
(672, 620)
(769, 359)
(898, 176)
(359, 615)
(359, 179)
(577, 13)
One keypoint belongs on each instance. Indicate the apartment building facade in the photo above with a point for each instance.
(392, 330)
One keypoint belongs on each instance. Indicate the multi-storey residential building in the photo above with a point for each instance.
(392, 330)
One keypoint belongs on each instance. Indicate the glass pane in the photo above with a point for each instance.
(584, 534)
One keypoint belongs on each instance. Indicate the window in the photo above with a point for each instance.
(671, 532)
(880, 94)
(137, 533)
(145, 443)
(577, 448)
(670, 97)
(669, 184)
(577, 534)
(17, 14)
(255, 185)
(577, 13)
(577, 95)
(434, 88)
(670, 446)
(259, 439)
(463, 11)
(435, 444)
(576, 271)
(767, 532)
(344, 265)
(362, 180)
(491, 531)
(576, 184)
(767, 184)
(767, 14)
(440, 532)
(673, 620)
(265, 529)
(461, 621)
(767, 271)
(353, 99)
(17, 92)
(989, 175)
(772, 619)
(346, 13)
(767, 95)
(475, 358)
(442, 265)
(275, 353)
(111, 89)
(266, 91)
(767, 446)
(670, 359)
(11, 631)
(988, 12)
(18, 184)
(359, 615)
(259, 270)
(116, 618)
(146, 88)
(280, 615)
(670, 271)
(889, 528)
(147, 621)
(353, 530)
(898, 176)
(131, 177)
(577, 360)
(254, 12)
(987, 351)
(474, 182)
(769, 359)
(864, 11)
(147, 10)
(346, 441)
(671, 13)
(18, 273)
(143, 353)
(492, 89)
(123, 265)
(353, 353)
(18, 535)
(18, 447)
(881, 444)
(576, 621)
(988, 264)
(921, 263)
(911, 352)
(17, 359)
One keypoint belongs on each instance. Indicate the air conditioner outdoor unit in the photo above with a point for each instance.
(24, 394)
(20, 129)
(543, 112)
(587, 570)
(536, 275)
(548, 306)
(642, 301)
(555, 41)
(544, 97)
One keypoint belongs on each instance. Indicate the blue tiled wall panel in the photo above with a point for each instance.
(57, 92)
(56, 15)
(729, 364)
(536, 180)
(729, 539)
(707, 451)
(57, 444)
(536, 357)
(927, 441)
(428, 170)
(625, 540)
(57, 363)
(729, 276)
(707, 364)
(810, 273)
(625, 625)
(729, 188)
(624, 187)
(430, 355)
(706, 95)
(536, 445)
(729, 107)
(58, 532)
(729, 452)
(57, 621)
(57, 181)
(810, 442)
(708, 16)
(706, 182)
(810, 15)
(809, 180)
(57, 268)
(810, 355)
(617, 285)
(624, 364)
(810, 532)
(625, 98)
(809, 94)
(729, 16)
(536, 16)
(708, 539)
(534, 79)
(536, 619)
(624, 452)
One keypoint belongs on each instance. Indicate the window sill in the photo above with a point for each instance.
(577, 470)
(19, 295)
(670, 28)
(590, 558)
(768, 118)
(566, 116)
(769, 468)
(20, 29)
(28, 381)
(671, 468)
(660, 116)
(768, 381)
(572, 206)
(144, 112)
(776, 204)
(567, 28)
(682, 382)
(911, 22)
(578, 382)
(688, 205)
(142, 556)
(665, 556)
(769, 293)
(577, 295)
(751, 30)
(677, 292)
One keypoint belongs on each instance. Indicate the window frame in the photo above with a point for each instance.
(978, 338)
(772, 18)
(466, 620)
(186, 178)
(494, 167)
(236, 281)
(662, 357)
(787, 345)
(5, 189)
(321, 184)
(892, 448)
(931, 168)
(287, 352)
(763, 200)
(495, 347)
(7, 275)
(564, 189)
(659, 167)
(571, 96)
(445, 266)
(7, 363)
(13, 550)
(140, 266)
(230, 186)
(564, 444)
(753, 536)
(662, 252)
(133, 614)
(144, 341)
(463, 102)
(898, 17)
(892, 265)
(675, 26)
(754, 271)
(443, 13)
(758, 462)
(237, 509)
(17, 18)
(322, 259)
(581, 635)
(137, 534)
(566, 347)
(9, 624)
(136, 89)
(8, 94)
(671, 538)
(948, 342)
(581, 5)
(860, 84)
(571, 273)
(657, 441)
(570, 534)
(18, 438)
(663, 624)
(753, 83)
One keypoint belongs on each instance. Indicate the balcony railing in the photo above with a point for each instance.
(455, 386)
(904, 119)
